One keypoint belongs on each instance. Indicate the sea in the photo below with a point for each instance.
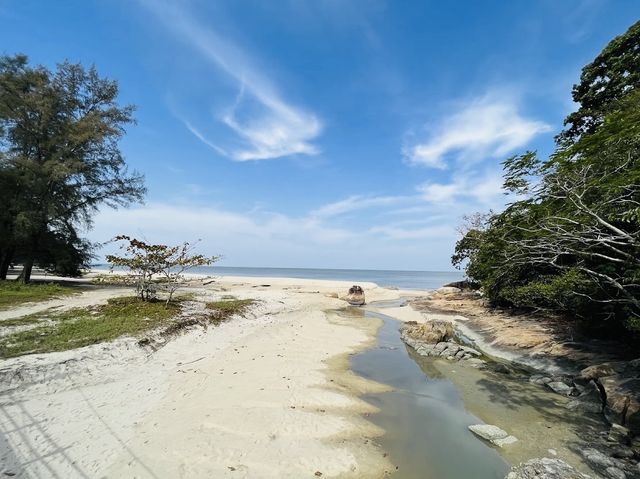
(386, 278)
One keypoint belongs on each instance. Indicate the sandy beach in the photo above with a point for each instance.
(266, 395)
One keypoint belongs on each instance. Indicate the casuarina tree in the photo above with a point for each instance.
(59, 160)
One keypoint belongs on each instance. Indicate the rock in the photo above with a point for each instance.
(355, 296)
(430, 332)
(623, 400)
(615, 473)
(597, 459)
(539, 379)
(505, 442)
(464, 284)
(471, 351)
(493, 434)
(623, 453)
(618, 433)
(488, 431)
(501, 368)
(476, 363)
(438, 348)
(448, 290)
(620, 384)
(545, 468)
(601, 370)
(450, 350)
(589, 400)
(560, 388)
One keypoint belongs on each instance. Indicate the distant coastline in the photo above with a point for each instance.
(415, 280)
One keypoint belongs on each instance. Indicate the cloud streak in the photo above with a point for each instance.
(487, 127)
(270, 127)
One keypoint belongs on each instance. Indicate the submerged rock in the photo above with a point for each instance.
(545, 468)
(493, 434)
(355, 296)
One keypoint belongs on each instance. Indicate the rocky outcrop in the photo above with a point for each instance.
(608, 466)
(435, 339)
(545, 468)
(431, 332)
(619, 386)
(355, 297)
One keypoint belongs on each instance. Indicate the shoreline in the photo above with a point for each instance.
(268, 395)
(201, 404)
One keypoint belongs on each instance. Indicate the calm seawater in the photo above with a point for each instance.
(398, 279)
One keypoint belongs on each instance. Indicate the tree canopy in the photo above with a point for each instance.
(59, 161)
(571, 242)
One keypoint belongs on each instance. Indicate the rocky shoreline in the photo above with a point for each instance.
(610, 389)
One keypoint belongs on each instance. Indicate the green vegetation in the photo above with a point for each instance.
(81, 327)
(224, 309)
(59, 162)
(153, 264)
(570, 241)
(128, 316)
(13, 293)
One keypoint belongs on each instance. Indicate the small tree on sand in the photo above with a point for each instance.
(167, 263)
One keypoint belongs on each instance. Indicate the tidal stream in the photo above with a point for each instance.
(427, 414)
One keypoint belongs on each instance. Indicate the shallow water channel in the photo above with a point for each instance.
(427, 414)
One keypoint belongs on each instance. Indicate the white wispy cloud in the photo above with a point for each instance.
(354, 203)
(481, 190)
(270, 126)
(202, 138)
(487, 127)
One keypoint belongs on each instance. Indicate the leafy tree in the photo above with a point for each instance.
(608, 78)
(59, 134)
(570, 242)
(165, 263)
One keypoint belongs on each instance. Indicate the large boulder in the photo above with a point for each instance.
(623, 400)
(544, 468)
(355, 297)
(589, 400)
(431, 332)
(445, 290)
(619, 381)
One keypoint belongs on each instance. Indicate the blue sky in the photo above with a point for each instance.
(323, 133)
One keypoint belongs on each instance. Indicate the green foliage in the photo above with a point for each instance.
(59, 161)
(553, 292)
(573, 243)
(80, 327)
(13, 293)
(607, 79)
(146, 260)
(223, 309)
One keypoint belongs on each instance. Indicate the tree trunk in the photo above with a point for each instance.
(6, 262)
(25, 275)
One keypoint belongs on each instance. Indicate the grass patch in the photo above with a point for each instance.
(13, 293)
(82, 327)
(21, 321)
(222, 310)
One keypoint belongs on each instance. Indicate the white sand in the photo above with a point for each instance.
(268, 396)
